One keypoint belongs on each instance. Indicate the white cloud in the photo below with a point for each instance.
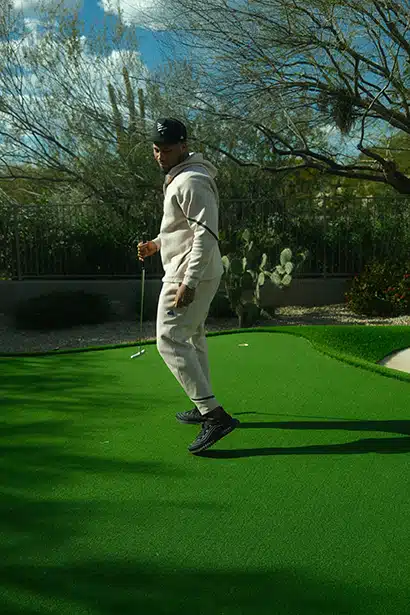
(147, 14)
(88, 83)
(95, 70)
(31, 8)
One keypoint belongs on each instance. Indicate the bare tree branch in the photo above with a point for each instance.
(269, 59)
(53, 118)
(360, 146)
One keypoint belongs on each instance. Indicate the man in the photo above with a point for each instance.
(188, 241)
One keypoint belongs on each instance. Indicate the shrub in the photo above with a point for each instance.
(399, 295)
(220, 307)
(62, 309)
(383, 289)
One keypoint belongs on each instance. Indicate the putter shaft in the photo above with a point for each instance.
(142, 311)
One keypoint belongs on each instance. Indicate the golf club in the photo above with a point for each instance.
(141, 352)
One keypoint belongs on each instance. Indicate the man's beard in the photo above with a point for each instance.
(182, 158)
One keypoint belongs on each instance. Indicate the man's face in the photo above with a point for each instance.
(168, 156)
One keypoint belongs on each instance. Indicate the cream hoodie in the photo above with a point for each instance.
(188, 237)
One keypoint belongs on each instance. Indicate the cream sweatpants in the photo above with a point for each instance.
(182, 344)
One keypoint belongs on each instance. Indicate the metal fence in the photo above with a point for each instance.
(84, 241)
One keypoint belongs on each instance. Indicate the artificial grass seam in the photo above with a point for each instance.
(350, 359)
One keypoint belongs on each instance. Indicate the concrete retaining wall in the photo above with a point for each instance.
(124, 294)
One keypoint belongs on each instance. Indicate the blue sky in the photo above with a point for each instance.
(92, 13)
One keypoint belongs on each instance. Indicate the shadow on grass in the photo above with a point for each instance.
(32, 468)
(31, 379)
(35, 526)
(129, 587)
(67, 384)
(50, 413)
(32, 524)
(368, 445)
(40, 516)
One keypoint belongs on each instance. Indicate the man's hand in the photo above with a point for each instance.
(146, 249)
(184, 296)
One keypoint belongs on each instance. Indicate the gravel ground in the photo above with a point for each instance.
(119, 332)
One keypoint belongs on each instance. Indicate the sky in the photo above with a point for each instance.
(93, 12)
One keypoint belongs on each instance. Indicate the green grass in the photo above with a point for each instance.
(303, 510)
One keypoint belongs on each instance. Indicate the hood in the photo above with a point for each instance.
(194, 160)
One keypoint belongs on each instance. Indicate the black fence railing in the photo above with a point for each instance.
(84, 241)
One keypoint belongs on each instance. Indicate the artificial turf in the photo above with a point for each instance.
(303, 510)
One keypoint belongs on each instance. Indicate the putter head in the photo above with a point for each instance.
(138, 354)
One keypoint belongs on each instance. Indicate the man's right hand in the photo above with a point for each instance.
(146, 249)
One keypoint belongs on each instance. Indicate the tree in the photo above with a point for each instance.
(294, 69)
(67, 109)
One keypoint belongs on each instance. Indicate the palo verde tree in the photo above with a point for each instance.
(295, 69)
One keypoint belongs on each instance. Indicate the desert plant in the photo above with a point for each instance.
(244, 277)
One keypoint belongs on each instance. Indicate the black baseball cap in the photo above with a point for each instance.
(169, 131)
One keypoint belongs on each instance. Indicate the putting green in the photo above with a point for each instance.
(303, 510)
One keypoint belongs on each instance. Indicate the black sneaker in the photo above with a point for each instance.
(211, 432)
(191, 417)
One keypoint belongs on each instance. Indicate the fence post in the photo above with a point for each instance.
(17, 240)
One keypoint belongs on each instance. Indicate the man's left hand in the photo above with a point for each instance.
(184, 296)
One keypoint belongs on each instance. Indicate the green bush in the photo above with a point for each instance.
(220, 307)
(62, 309)
(399, 295)
(383, 289)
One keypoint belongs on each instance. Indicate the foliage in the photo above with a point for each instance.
(61, 237)
(306, 75)
(383, 289)
(244, 278)
(72, 116)
(59, 310)
(220, 307)
(98, 186)
(69, 239)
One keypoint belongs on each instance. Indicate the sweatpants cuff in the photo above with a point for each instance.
(207, 405)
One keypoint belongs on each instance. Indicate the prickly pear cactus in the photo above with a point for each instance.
(282, 275)
(244, 278)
